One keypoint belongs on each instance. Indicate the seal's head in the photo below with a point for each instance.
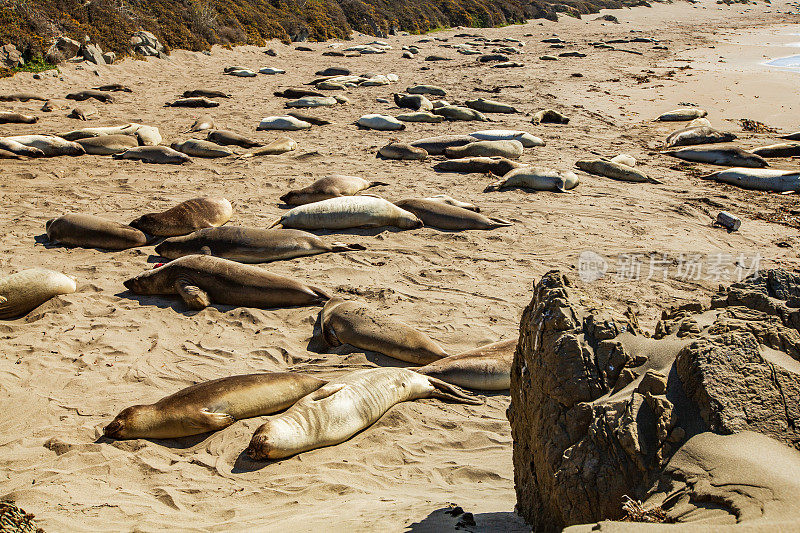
(277, 439)
(175, 247)
(148, 282)
(132, 422)
(145, 223)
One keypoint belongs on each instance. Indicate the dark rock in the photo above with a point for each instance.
(10, 57)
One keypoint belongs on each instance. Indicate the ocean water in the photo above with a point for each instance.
(791, 62)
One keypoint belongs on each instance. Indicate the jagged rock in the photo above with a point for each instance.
(599, 411)
(64, 48)
(15, 520)
(109, 57)
(92, 53)
(146, 44)
(11, 57)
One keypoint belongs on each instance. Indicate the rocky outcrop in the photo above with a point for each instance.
(600, 411)
(64, 48)
(92, 53)
(146, 44)
(15, 520)
(10, 57)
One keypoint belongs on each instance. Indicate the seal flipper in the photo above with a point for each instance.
(328, 334)
(195, 297)
(445, 391)
(342, 247)
(326, 391)
(210, 421)
(500, 222)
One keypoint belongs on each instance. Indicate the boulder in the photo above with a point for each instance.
(92, 53)
(62, 49)
(146, 44)
(109, 57)
(601, 413)
(10, 57)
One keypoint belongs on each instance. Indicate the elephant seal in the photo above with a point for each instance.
(549, 116)
(312, 101)
(50, 145)
(507, 149)
(490, 106)
(155, 154)
(85, 133)
(229, 138)
(455, 112)
(281, 145)
(297, 92)
(20, 149)
(89, 231)
(361, 326)
(5, 154)
(17, 118)
(337, 411)
(271, 71)
(81, 96)
(201, 123)
(186, 217)
(699, 122)
(420, 116)
(698, 135)
(108, 144)
(305, 117)
(49, 106)
(792, 136)
(415, 102)
(437, 145)
(114, 88)
(201, 280)
(21, 97)
(212, 405)
(527, 140)
(82, 113)
(498, 166)
(286, 123)
(403, 151)
(348, 212)
(449, 200)
(329, 187)
(26, 290)
(759, 179)
(537, 179)
(201, 148)
(615, 171)
(730, 156)
(426, 89)
(376, 121)
(195, 101)
(777, 150)
(684, 114)
(241, 72)
(205, 93)
(443, 215)
(148, 136)
(250, 245)
(625, 159)
(485, 368)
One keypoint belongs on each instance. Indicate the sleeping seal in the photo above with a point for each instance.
(348, 212)
(186, 217)
(89, 231)
(698, 135)
(229, 138)
(776, 150)
(163, 155)
(50, 145)
(201, 148)
(26, 290)
(724, 155)
(490, 106)
(17, 118)
(440, 214)
(250, 245)
(201, 123)
(760, 179)
(537, 179)
(343, 407)
(402, 151)
(527, 140)
(194, 101)
(212, 405)
(281, 145)
(507, 149)
(201, 280)
(684, 114)
(499, 166)
(437, 145)
(329, 187)
(108, 144)
(485, 368)
(615, 171)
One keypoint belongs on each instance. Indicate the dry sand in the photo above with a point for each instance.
(72, 364)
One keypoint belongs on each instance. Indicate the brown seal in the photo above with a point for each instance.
(89, 231)
(186, 217)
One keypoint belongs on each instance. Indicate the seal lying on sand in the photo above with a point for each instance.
(499, 166)
(281, 145)
(356, 324)
(50, 145)
(228, 138)
(205, 93)
(528, 140)
(329, 187)
(490, 106)
(760, 179)
(19, 149)
(507, 149)
(186, 217)
(26, 290)
(402, 151)
(615, 171)
(348, 212)
(485, 368)
(212, 406)
(201, 280)
(698, 135)
(684, 114)
(17, 118)
(155, 154)
(250, 245)
(343, 407)
(201, 148)
(108, 144)
(777, 150)
(195, 101)
(724, 155)
(202, 123)
(311, 119)
(439, 214)
(437, 145)
(89, 231)
(101, 96)
(537, 179)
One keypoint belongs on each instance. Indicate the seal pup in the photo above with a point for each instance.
(375, 121)
(148, 136)
(21, 97)
(348, 212)
(50, 145)
(443, 215)
(84, 133)
(114, 88)
(250, 245)
(297, 92)
(537, 179)
(89, 231)
(108, 144)
(759, 179)
(205, 93)
(507, 149)
(426, 89)
(286, 123)
(415, 102)
(437, 145)
(490, 106)
(498, 166)
(202, 123)
(212, 405)
(527, 140)
(615, 171)
(359, 325)
(7, 117)
(699, 122)
(155, 154)
(698, 135)
(312, 101)
(723, 155)
(26, 290)
(329, 187)
(402, 151)
(625, 159)
(20, 149)
(195, 101)
(201, 280)
(681, 115)
(343, 407)
(186, 217)
(82, 113)
(229, 138)
(281, 145)
(455, 112)
(420, 116)
(101, 96)
(305, 117)
(201, 148)
(549, 116)
(484, 368)
(452, 201)
(776, 150)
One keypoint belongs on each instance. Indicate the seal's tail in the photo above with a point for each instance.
(445, 391)
(500, 222)
(342, 247)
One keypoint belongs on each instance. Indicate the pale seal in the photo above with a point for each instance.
(285, 123)
(776, 150)
(683, 114)
(455, 112)
(313, 101)
(17, 118)
(528, 140)
(760, 179)
(229, 138)
(250, 245)
(485, 368)
(201, 280)
(699, 122)
(20, 149)
(281, 145)
(537, 179)
(311, 119)
(85, 133)
(615, 171)
(155, 154)
(201, 148)
(507, 149)
(443, 215)
(26, 290)
(549, 116)
(498, 166)
(490, 106)
(82, 113)
(437, 145)
(201, 123)
(108, 144)
(359, 325)
(348, 212)
(730, 156)
(329, 187)
(50, 145)
(89, 231)
(402, 151)
(698, 135)
(212, 405)
(625, 159)
(376, 121)
(343, 407)
(186, 217)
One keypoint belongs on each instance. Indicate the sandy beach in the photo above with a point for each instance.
(72, 364)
